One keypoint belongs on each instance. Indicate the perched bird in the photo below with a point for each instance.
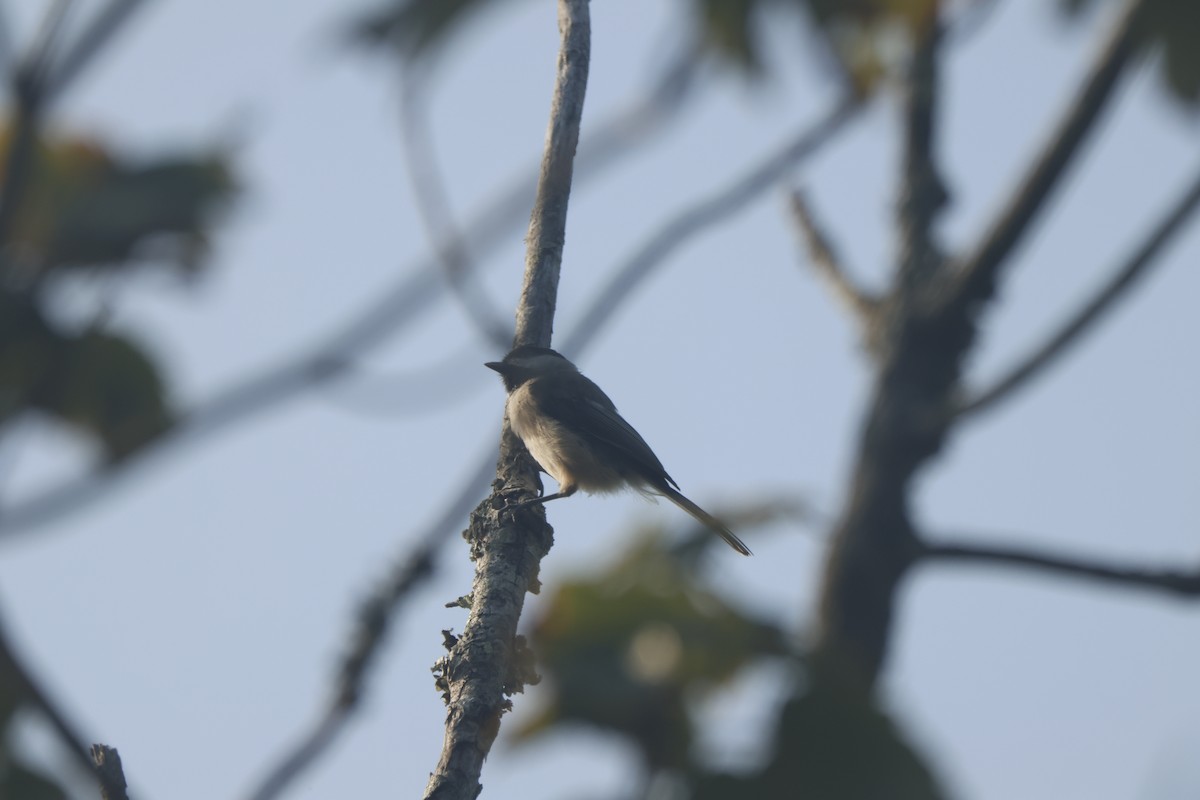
(575, 434)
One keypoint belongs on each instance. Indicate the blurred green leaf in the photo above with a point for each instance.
(27, 351)
(162, 210)
(728, 27)
(86, 208)
(861, 34)
(99, 382)
(625, 651)
(106, 385)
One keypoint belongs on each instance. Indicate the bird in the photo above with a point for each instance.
(572, 429)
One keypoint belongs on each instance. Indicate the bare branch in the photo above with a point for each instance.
(548, 222)
(1183, 584)
(863, 306)
(486, 664)
(700, 216)
(931, 328)
(111, 774)
(29, 86)
(1118, 286)
(976, 281)
(922, 193)
(871, 543)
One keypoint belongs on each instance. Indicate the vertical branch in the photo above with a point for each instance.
(488, 662)
(930, 324)
(548, 221)
(873, 541)
(922, 192)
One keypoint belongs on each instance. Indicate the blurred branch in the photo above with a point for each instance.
(484, 666)
(1121, 283)
(828, 266)
(1184, 584)
(95, 37)
(433, 207)
(372, 624)
(28, 80)
(37, 80)
(870, 550)
(702, 215)
(976, 281)
(107, 764)
(31, 692)
(390, 311)
(7, 48)
(922, 193)
(931, 326)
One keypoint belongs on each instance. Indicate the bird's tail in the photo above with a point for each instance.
(705, 518)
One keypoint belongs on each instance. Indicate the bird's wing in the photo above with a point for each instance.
(594, 417)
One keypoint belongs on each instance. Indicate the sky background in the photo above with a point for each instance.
(192, 617)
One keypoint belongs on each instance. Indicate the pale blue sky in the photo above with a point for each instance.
(193, 617)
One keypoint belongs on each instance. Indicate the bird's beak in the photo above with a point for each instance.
(496, 365)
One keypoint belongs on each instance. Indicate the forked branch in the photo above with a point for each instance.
(829, 266)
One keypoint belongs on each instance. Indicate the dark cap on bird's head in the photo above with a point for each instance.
(526, 362)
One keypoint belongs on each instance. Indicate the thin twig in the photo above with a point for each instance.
(486, 665)
(433, 208)
(829, 266)
(32, 692)
(371, 627)
(1118, 286)
(976, 280)
(1180, 583)
(107, 765)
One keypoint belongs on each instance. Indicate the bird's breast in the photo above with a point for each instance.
(562, 453)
